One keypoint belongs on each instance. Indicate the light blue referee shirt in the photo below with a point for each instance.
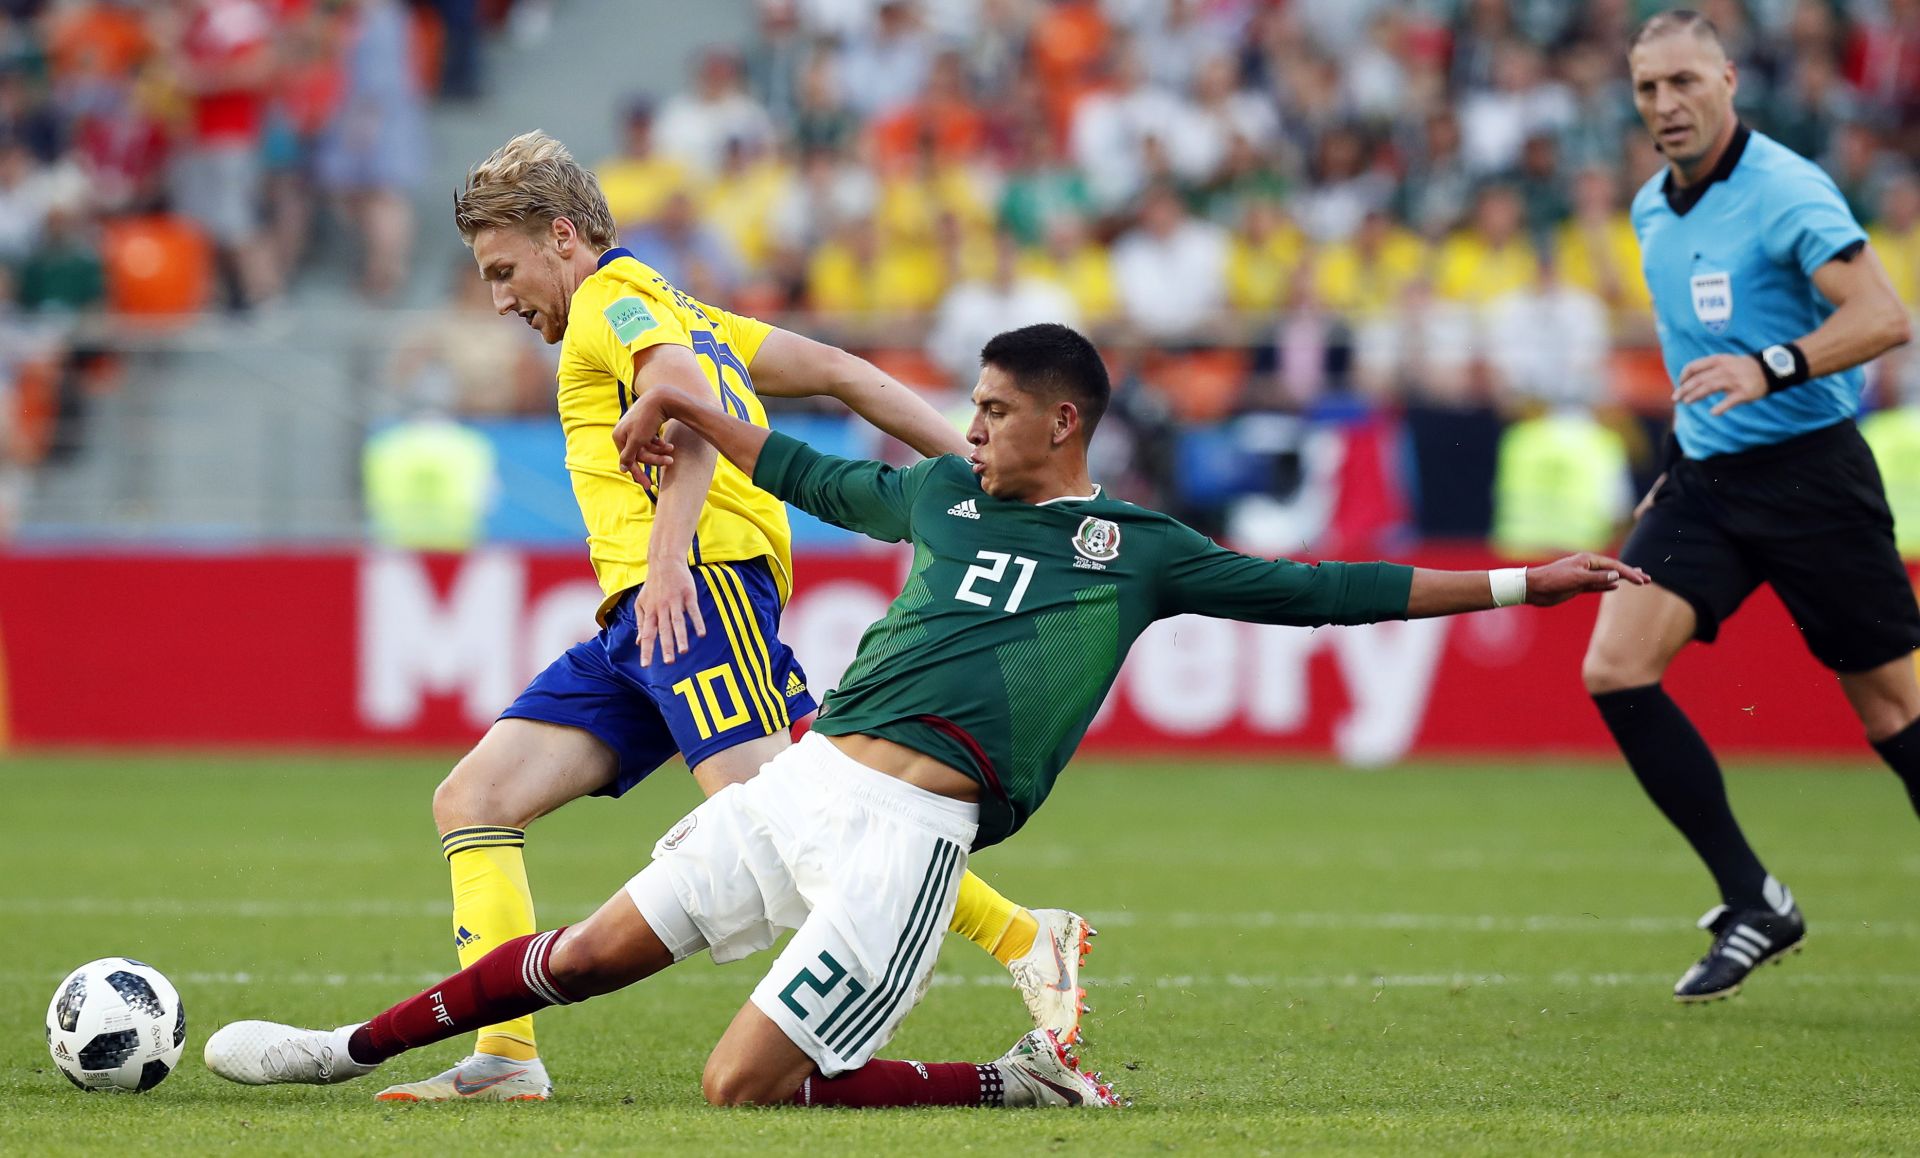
(1730, 264)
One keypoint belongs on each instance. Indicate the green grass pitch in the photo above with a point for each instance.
(1293, 959)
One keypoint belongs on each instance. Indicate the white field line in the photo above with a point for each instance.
(1120, 983)
(1458, 922)
(1503, 923)
(245, 910)
(1676, 862)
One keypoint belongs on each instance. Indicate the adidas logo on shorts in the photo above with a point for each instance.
(967, 510)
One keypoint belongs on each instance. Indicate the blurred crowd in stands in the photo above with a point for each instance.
(1267, 212)
(1341, 247)
(1187, 171)
(163, 157)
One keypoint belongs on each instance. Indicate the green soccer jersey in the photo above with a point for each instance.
(1013, 623)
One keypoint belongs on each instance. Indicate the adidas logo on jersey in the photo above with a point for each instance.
(967, 510)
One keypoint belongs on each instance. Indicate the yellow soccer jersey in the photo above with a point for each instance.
(626, 307)
(1581, 261)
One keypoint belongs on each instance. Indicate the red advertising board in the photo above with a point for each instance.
(356, 649)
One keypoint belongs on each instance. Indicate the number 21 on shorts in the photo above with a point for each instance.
(836, 973)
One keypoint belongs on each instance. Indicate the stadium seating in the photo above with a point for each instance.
(158, 267)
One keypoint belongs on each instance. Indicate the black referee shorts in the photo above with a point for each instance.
(1808, 516)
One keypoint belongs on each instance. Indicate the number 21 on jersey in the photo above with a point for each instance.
(993, 570)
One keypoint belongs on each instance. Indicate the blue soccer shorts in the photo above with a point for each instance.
(739, 683)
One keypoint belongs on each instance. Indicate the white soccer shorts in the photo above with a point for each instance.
(863, 866)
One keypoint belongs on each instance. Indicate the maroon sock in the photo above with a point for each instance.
(905, 1083)
(512, 980)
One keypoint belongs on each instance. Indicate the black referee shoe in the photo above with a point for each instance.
(1743, 940)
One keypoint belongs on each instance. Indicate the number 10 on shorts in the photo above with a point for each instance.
(824, 986)
(717, 717)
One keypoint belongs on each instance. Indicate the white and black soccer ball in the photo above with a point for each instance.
(116, 1024)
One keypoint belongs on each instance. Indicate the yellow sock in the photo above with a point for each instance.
(991, 921)
(491, 906)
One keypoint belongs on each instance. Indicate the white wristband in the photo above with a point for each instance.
(1509, 585)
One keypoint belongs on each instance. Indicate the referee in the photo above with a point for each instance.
(1767, 301)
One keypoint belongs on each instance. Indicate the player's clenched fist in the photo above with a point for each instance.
(1562, 579)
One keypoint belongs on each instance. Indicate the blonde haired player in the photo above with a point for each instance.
(697, 543)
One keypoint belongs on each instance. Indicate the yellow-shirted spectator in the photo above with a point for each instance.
(639, 181)
(912, 201)
(1896, 239)
(1596, 249)
(1076, 261)
(741, 201)
(1261, 258)
(853, 273)
(966, 251)
(1366, 275)
(1490, 257)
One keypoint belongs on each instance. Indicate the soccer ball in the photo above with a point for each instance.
(116, 1024)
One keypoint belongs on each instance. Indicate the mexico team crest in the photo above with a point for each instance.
(1097, 540)
(680, 832)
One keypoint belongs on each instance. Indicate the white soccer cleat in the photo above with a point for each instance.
(1040, 1071)
(1048, 977)
(482, 1077)
(266, 1053)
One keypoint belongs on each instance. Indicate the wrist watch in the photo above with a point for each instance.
(1784, 365)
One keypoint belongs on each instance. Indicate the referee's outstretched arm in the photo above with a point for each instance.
(1868, 320)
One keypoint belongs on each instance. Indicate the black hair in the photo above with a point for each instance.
(1054, 362)
(1677, 20)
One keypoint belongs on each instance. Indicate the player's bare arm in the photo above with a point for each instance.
(790, 365)
(642, 444)
(667, 600)
(1433, 592)
(1454, 592)
(1867, 321)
